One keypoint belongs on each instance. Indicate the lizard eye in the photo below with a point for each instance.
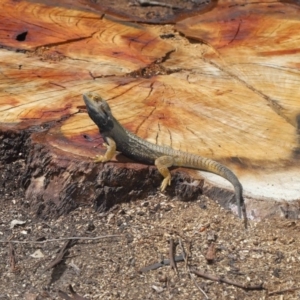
(105, 106)
(104, 111)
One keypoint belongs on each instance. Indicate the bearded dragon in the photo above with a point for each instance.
(118, 138)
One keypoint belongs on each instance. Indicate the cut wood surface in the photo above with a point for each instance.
(228, 91)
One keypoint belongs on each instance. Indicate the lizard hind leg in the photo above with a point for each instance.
(163, 164)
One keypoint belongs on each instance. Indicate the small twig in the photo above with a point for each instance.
(283, 291)
(61, 239)
(196, 284)
(60, 255)
(163, 263)
(189, 270)
(12, 257)
(226, 280)
(172, 248)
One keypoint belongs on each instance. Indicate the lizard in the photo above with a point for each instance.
(118, 138)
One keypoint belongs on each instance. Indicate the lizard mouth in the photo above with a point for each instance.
(96, 108)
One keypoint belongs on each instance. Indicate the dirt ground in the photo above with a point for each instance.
(102, 266)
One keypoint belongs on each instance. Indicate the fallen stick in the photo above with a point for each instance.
(172, 247)
(283, 291)
(226, 280)
(60, 239)
(58, 259)
(164, 262)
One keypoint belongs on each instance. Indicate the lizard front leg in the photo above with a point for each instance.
(110, 151)
(163, 163)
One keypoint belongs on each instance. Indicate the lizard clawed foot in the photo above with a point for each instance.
(100, 158)
(110, 151)
(165, 183)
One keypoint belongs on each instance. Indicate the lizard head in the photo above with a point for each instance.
(99, 111)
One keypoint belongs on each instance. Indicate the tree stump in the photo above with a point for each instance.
(222, 84)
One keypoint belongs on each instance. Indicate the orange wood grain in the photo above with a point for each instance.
(118, 47)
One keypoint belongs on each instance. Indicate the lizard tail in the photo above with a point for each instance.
(206, 164)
